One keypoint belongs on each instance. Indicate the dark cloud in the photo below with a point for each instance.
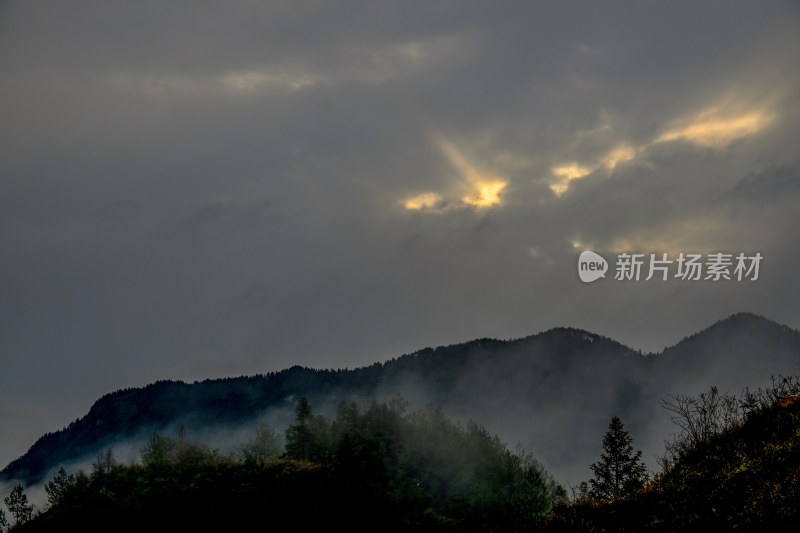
(769, 185)
(197, 190)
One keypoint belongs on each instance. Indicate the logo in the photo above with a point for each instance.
(591, 266)
(718, 266)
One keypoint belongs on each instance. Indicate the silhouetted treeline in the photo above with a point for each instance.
(382, 468)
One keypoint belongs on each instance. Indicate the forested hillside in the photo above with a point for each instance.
(562, 385)
(382, 468)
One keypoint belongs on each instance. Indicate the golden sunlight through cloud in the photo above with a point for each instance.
(715, 131)
(713, 128)
(484, 190)
(458, 160)
(487, 193)
(481, 189)
(428, 200)
(621, 154)
(565, 174)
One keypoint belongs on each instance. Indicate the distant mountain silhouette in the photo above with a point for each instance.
(553, 392)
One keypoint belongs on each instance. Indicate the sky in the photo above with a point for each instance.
(208, 189)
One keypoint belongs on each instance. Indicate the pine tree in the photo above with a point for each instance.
(300, 438)
(619, 471)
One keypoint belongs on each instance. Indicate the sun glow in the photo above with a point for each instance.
(484, 190)
(714, 131)
(621, 154)
(487, 193)
(565, 174)
(425, 201)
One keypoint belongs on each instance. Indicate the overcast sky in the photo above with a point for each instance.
(207, 189)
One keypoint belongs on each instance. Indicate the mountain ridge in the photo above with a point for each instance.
(532, 378)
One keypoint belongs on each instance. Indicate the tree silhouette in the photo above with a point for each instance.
(265, 446)
(18, 506)
(619, 471)
(59, 486)
(307, 438)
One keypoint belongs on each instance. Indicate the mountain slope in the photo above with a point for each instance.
(554, 392)
(744, 478)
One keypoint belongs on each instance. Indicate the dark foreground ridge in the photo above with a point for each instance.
(745, 477)
(380, 469)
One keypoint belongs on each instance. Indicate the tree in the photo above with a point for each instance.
(159, 450)
(581, 492)
(3, 522)
(17, 503)
(619, 471)
(265, 446)
(303, 410)
(700, 418)
(104, 462)
(307, 438)
(59, 486)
